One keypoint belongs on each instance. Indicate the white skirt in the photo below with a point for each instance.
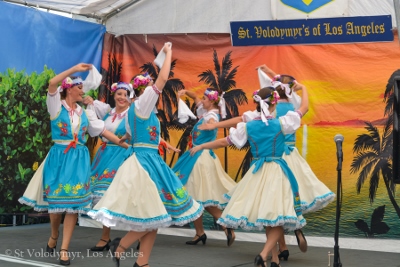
(314, 194)
(262, 199)
(208, 181)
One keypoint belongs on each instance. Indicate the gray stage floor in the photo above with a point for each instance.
(25, 244)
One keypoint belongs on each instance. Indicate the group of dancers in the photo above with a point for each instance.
(129, 186)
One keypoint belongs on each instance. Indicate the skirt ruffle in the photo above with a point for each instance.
(314, 194)
(207, 182)
(262, 199)
(135, 202)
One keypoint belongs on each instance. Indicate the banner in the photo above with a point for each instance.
(312, 31)
(32, 38)
(346, 86)
(296, 9)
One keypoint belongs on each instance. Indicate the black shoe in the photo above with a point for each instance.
(259, 261)
(301, 240)
(106, 246)
(230, 236)
(284, 255)
(113, 248)
(137, 265)
(64, 262)
(274, 264)
(49, 249)
(202, 238)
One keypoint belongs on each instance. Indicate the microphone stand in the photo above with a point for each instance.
(336, 257)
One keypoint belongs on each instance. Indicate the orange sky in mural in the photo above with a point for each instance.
(345, 82)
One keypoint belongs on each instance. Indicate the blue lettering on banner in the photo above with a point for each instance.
(312, 31)
(306, 6)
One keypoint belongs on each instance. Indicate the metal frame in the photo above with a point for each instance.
(100, 19)
(396, 131)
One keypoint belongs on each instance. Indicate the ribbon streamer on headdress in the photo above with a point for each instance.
(264, 108)
(285, 87)
(222, 105)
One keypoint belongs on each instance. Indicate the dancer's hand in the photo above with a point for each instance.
(297, 87)
(88, 100)
(123, 139)
(169, 148)
(167, 47)
(181, 93)
(207, 126)
(195, 149)
(81, 67)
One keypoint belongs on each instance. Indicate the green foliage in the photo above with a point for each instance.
(25, 134)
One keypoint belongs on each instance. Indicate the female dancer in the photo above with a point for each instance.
(145, 193)
(267, 196)
(63, 183)
(109, 156)
(202, 174)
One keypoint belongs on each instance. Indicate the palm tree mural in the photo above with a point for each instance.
(373, 159)
(168, 99)
(110, 76)
(223, 81)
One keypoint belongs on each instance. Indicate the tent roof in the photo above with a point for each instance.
(97, 9)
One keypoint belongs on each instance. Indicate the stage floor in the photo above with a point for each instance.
(24, 246)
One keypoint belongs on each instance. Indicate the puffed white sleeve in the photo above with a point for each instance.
(53, 102)
(127, 127)
(96, 126)
(290, 122)
(250, 115)
(147, 101)
(295, 100)
(238, 136)
(211, 115)
(100, 108)
(200, 111)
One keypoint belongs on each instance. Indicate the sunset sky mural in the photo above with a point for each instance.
(345, 82)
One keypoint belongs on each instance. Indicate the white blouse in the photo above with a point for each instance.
(144, 105)
(54, 102)
(289, 124)
(207, 115)
(113, 120)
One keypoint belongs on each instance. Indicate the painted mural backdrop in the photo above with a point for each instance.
(347, 90)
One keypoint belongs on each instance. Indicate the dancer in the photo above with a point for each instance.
(315, 195)
(267, 196)
(62, 182)
(109, 156)
(202, 174)
(145, 194)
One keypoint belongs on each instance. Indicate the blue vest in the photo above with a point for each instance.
(290, 139)
(61, 127)
(202, 136)
(120, 130)
(145, 132)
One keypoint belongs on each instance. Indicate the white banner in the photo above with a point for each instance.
(303, 9)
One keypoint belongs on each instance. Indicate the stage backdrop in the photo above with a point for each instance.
(346, 85)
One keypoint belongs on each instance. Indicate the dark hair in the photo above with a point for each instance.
(286, 79)
(264, 93)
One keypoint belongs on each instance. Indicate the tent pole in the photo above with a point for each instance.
(397, 14)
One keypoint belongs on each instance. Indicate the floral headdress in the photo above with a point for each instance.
(68, 83)
(141, 81)
(211, 94)
(125, 86)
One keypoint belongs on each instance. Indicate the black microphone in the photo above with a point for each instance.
(339, 140)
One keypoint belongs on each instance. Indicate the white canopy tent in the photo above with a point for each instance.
(185, 16)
